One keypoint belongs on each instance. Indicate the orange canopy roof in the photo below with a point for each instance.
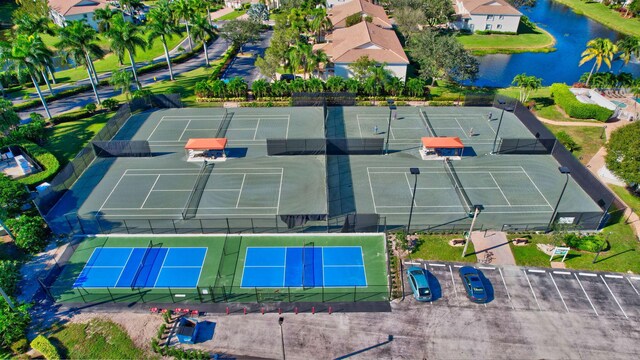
(442, 142)
(206, 144)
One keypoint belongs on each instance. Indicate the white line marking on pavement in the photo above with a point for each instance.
(634, 288)
(531, 287)
(614, 297)
(562, 272)
(585, 294)
(411, 263)
(587, 274)
(486, 268)
(634, 277)
(457, 266)
(536, 271)
(430, 264)
(506, 289)
(453, 282)
(559, 293)
(614, 276)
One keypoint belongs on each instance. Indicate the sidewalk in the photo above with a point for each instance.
(495, 242)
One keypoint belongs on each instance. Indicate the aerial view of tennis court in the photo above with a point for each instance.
(249, 190)
(238, 268)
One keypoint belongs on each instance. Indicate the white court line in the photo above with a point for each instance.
(150, 191)
(202, 265)
(280, 190)
(284, 272)
(562, 272)
(373, 199)
(433, 188)
(112, 190)
(532, 292)
(587, 274)
(444, 213)
(123, 266)
(614, 297)
(536, 271)
(437, 264)
(205, 208)
(322, 255)
(162, 266)
(634, 288)
(256, 132)
(240, 193)
(506, 288)
(364, 270)
(536, 186)
(614, 276)
(359, 125)
(185, 129)
(499, 188)
(559, 293)
(453, 281)
(585, 294)
(286, 134)
(410, 189)
(464, 132)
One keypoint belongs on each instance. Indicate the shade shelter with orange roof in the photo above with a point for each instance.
(438, 148)
(209, 149)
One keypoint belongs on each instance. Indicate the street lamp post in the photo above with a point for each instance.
(416, 172)
(392, 108)
(495, 139)
(476, 211)
(564, 170)
(280, 321)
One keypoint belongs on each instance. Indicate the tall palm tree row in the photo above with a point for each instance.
(126, 37)
(184, 10)
(78, 40)
(201, 30)
(28, 52)
(33, 24)
(162, 24)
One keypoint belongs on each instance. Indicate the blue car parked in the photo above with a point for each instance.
(417, 278)
(472, 282)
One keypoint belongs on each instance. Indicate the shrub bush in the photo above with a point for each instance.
(441, 103)
(110, 104)
(9, 276)
(73, 115)
(30, 231)
(590, 243)
(91, 107)
(13, 323)
(564, 98)
(46, 159)
(20, 347)
(568, 142)
(44, 346)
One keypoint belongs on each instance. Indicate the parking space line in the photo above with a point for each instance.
(614, 297)
(536, 271)
(437, 264)
(585, 294)
(634, 288)
(634, 277)
(559, 293)
(486, 268)
(457, 266)
(531, 287)
(613, 276)
(506, 288)
(562, 272)
(453, 282)
(587, 274)
(411, 263)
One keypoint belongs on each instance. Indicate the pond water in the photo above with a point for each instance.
(572, 31)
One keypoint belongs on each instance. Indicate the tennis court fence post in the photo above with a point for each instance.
(126, 228)
(80, 223)
(228, 227)
(171, 294)
(289, 292)
(82, 296)
(355, 288)
(257, 298)
(173, 223)
(275, 217)
(111, 295)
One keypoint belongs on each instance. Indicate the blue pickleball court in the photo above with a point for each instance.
(111, 267)
(323, 266)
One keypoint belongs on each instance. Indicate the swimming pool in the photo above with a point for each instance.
(621, 105)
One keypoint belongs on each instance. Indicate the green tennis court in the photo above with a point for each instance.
(223, 277)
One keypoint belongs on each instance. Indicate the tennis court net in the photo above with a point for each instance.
(224, 125)
(191, 207)
(141, 266)
(307, 265)
(457, 186)
(427, 123)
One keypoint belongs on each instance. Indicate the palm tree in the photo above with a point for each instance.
(125, 36)
(301, 54)
(78, 41)
(260, 88)
(600, 50)
(527, 84)
(29, 25)
(335, 84)
(395, 86)
(162, 25)
(27, 52)
(183, 9)
(318, 58)
(380, 77)
(416, 87)
(121, 80)
(201, 30)
(628, 46)
(320, 22)
(103, 17)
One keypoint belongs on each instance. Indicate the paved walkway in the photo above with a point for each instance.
(492, 242)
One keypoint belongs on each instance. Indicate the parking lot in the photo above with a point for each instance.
(555, 290)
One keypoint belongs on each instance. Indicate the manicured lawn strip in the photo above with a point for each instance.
(232, 15)
(63, 290)
(537, 41)
(631, 200)
(588, 137)
(66, 139)
(604, 15)
(436, 247)
(529, 255)
(375, 261)
(96, 339)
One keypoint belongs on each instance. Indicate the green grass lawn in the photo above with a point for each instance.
(67, 139)
(232, 15)
(633, 201)
(96, 339)
(537, 40)
(604, 15)
(588, 137)
(436, 247)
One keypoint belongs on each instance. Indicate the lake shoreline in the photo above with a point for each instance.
(603, 15)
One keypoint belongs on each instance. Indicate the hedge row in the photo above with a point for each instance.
(59, 95)
(224, 62)
(564, 98)
(44, 347)
(46, 159)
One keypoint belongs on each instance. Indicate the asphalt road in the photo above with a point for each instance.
(216, 50)
(245, 66)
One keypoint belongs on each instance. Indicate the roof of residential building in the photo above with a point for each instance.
(340, 12)
(74, 7)
(485, 7)
(365, 39)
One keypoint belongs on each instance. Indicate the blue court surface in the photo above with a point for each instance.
(142, 268)
(323, 266)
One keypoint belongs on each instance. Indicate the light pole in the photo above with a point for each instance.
(416, 172)
(280, 321)
(564, 170)
(604, 243)
(495, 139)
(392, 109)
(604, 129)
(476, 212)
